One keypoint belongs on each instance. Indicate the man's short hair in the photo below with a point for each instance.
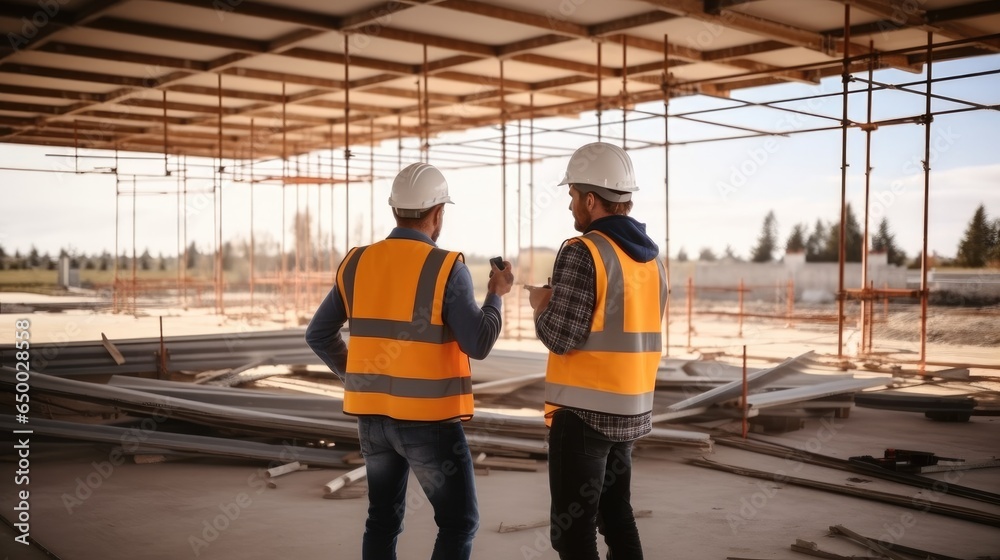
(617, 208)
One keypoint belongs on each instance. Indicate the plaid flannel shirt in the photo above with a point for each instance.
(565, 324)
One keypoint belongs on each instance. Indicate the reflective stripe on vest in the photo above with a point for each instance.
(402, 360)
(614, 369)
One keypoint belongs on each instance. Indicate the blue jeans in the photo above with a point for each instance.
(439, 455)
(590, 480)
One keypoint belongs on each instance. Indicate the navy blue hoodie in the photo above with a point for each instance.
(629, 234)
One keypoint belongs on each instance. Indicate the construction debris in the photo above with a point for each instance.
(886, 549)
(225, 447)
(812, 549)
(944, 409)
(110, 347)
(861, 467)
(195, 353)
(285, 469)
(904, 460)
(958, 512)
(338, 487)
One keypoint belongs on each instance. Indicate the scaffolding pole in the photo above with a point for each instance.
(503, 179)
(520, 214)
(282, 278)
(599, 105)
(253, 247)
(927, 190)
(184, 265)
(503, 164)
(624, 94)
(846, 80)
(219, 259)
(531, 188)
(665, 84)
(347, 146)
(425, 147)
(116, 295)
(333, 172)
(868, 128)
(134, 277)
(371, 181)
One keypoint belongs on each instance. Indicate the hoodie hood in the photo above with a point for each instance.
(628, 234)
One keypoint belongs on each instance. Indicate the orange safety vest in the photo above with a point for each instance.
(614, 369)
(402, 360)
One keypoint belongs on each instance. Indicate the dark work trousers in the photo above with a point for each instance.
(589, 479)
(439, 456)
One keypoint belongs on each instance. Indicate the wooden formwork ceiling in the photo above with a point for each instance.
(186, 76)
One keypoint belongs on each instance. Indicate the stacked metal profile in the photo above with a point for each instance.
(182, 353)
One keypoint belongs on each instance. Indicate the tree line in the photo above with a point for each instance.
(979, 247)
(303, 249)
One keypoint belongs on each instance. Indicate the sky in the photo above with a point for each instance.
(719, 191)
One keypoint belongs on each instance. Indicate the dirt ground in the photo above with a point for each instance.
(83, 505)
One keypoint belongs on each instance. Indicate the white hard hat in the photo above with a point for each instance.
(601, 167)
(419, 186)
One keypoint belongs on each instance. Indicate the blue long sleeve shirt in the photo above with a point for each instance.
(475, 328)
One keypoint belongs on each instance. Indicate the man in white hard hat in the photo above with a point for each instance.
(414, 323)
(600, 320)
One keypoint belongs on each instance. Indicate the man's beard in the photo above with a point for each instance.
(580, 223)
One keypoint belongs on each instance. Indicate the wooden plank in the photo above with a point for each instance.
(115, 354)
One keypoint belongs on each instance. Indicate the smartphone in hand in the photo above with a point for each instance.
(498, 262)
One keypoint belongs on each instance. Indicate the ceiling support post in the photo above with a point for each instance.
(844, 127)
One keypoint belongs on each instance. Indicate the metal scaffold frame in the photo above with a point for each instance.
(309, 283)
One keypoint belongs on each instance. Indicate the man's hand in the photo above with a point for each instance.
(500, 280)
(538, 297)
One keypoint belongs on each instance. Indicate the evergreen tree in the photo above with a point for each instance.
(796, 242)
(731, 255)
(976, 246)
(853, 241)
(192, 257)
(145, 260)
(885, 242)
(33, 259)
(682, 255)
(228, 257)
(816, 243)
(767, 240)
(994, 256)
(706, 255)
